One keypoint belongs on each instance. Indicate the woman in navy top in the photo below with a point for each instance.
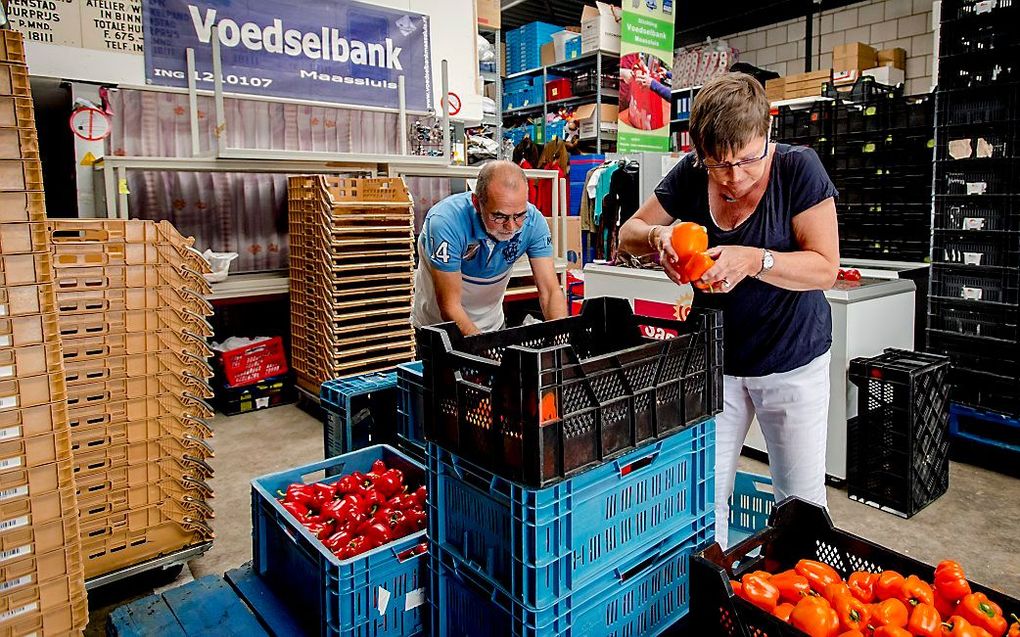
(771, 217)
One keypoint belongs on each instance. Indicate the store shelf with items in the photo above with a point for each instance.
(492, 77)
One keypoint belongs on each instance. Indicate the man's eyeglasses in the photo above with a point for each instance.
(744, 162)
(502, 218)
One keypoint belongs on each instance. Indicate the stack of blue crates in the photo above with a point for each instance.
(579, 167)
(524, 45)
(523, 91)
(352, 407)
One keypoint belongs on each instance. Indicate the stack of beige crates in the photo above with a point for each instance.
(42, 590)
(351, 269)
(133, 326)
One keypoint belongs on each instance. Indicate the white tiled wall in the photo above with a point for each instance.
(884, 24)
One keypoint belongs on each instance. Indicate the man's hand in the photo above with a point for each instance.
(550, 295)
(448, 291)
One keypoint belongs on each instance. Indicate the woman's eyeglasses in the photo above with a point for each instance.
(744, 162)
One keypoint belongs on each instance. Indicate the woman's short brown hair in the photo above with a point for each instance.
(728, 113)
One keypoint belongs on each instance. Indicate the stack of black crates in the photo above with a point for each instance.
(974, 303)
(876, 146)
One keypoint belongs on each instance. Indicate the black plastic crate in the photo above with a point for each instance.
(271, 392)
(972, 318)
(540, 403)
(584, 83)
(971, 37)
(865, 90)
(793, 123)
(996, 356)
(916, 251)
(974, 178)
(910, 214)
(903, 155)
(996, 214)
(988, 285)
(981, 11)
(976, 248)
(957, 144)
(796, 530)
(974, 71)
(888, 189)
(898, 445)
(986, 390)
(976, 106)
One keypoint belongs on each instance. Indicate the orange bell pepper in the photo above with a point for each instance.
(818, 574)
(783, 612)
(737, 587)
(980, 611)
(852, 633)
(957, 626)
(792, 587)
(862, 585)
(814, 616)
(891, 631)
(695, 266)
(687, 238)
(889, 612)
(925, 621)
(945, 607)
(758, 590)
(914, 591)
(1014, 628)
(888, 585)
(853, 613)
(950, 582)
(834, 590)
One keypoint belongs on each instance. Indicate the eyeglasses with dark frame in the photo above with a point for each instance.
(743, 162)
(502, 218)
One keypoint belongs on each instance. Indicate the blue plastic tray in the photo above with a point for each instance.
(378, 593)
(750, 505)
(350, 411)
(541, 545)
(410, 409)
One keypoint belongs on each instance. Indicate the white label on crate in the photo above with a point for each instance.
(17, 612)
(16, 492)
(10, 432)
(414, 599)
(976, 187)
(384, 600)
(262, 403)
(10, 585)
(973, 223)
(973, 294)
(984, 7)
(10, 463)
(10, 554)
(6, 371)
(5, 340)
(7, 402)
(13, 523)
(973, 258)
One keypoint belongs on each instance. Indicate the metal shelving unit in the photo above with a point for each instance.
(493, 77)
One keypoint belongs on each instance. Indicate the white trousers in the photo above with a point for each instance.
(792, 409)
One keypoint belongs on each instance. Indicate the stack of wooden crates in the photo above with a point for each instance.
(42, 589)
(351, 269)
(133, 326)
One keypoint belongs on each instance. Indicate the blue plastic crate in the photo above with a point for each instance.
(377, 593)
(555, 129)
(518, 84)
(750, 505)
(572, 48)
(986, 428)
(531, 96)
(411, 408)
(644, 595)
(543, 544)
(352, 405)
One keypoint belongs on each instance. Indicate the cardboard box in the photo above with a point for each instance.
(855, 56)
(570, 237)
(888, 75)
(488, 13)
(896, 58)
(600, 28)
(584, 115)
(560, 40)
(548, 55)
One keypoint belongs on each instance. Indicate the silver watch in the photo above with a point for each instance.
(767, 263)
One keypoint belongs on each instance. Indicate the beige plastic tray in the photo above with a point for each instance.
(182, 408)
(101, 506)
(37, 509)
(122, 548)
(27, 299)
(86, 348)
(22, 206)
(19, 238)
(113, 299)
(19, 143)
(26, 482)
(41, 568)
(33, 421)
(17, 112)
(81, 279)
(38, 540)
(101, 459)
(14, 80)
(31, 360)
(130, 476)
(19, 393)
(20, 174)
(12, 46)
(25, 453)
(145, 364)
(34, 329)
(27, 268)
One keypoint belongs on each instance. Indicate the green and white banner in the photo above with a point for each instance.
(646, 59)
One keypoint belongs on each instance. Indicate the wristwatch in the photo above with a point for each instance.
(767, 263)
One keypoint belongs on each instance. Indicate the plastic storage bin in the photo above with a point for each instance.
(411, 409)
(750, 505)
(352, 406)
(379, 593)
(540, 403)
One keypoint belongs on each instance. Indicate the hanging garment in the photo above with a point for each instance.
(544, 189)
(587, 210)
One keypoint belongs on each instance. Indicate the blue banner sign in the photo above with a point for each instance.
(339, 51)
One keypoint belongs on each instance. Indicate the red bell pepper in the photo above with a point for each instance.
(925, 621)
(889, 612)
(852, 633)
(818, 574)
(945, 607)
(814, 616)
(420, 496)
(738, 588)
(783, 611)
(916, 591)
(299, 511)
(889, 585)
(862, 585)
(950, 582)
(980, 611)
(402, 502)
(853, 613)
(792, 587)
(760, 591)
(346, 484)
(338, 540)
(319, 529)
(300, 493)
(390, 483)
(376, 535)
(355, 546)
(323, 493)
(371, 502)
(416, 518)
(379, 467)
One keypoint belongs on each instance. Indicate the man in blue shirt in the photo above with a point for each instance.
(469, 243)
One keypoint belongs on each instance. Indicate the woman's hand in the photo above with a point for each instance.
(732, 265)
(658, 240)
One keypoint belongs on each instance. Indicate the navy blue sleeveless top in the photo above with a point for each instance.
(767, 330)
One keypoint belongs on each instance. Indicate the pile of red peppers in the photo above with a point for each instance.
(358, 512)
(813, 598)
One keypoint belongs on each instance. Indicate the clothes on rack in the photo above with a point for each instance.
(610, 198)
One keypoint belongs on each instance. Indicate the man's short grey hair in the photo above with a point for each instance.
(506, 173)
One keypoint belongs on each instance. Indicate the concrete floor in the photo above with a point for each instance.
(977, 522)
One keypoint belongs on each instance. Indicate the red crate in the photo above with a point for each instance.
(254, 363)
(559, 89)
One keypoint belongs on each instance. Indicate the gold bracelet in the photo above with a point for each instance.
(648, 239)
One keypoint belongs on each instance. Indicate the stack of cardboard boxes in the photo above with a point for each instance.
(42, 588)
(849, 62)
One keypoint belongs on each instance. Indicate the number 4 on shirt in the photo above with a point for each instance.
(442, 253)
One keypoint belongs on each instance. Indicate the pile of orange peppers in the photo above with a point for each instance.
(813, 598)
(690, 241)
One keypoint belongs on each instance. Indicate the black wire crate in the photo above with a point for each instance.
(995, 356)
(994, 214)
(980, 11)
(981, 105)
(990, 285)
(976, 248)
(998, 393)
(976, 179)
(866, 91)
(973, 318)
(965, 144)
(898, 444)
